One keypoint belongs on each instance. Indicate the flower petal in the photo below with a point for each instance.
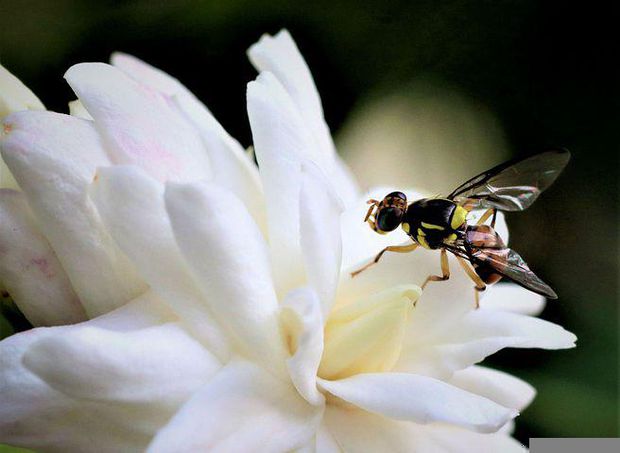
(280, 56)
(54, 157)
(138, 124)
(15, 96)
(367, 336)
(228, 257)
(356, 431)
(421, 399)
(34, 415)
(131, 205)
(302, 319)
(513, 298)
(281, 141)
(242, 407)
(478, 335)
(232, 168)
(29, 268)
(143, 367)
(321, 243)
(77, 109)
(146, 74)
(503, 388)
(144, 311)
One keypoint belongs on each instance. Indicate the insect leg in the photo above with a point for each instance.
(445, 271)
(471, 273)
(486, 215)
(373, 203)
(391, 248)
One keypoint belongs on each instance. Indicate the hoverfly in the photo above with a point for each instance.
(440, 223)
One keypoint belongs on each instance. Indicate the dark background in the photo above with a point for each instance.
(544, 69)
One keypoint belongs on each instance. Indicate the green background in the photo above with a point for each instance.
(542, 69)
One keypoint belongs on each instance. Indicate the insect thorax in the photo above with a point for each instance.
(433, 221)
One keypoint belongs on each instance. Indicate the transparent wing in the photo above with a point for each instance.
(509, 264)
(514, 185)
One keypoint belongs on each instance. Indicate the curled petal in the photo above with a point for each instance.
(228, 257)
(280, 56)
(242, 407)
(302, 321)
(131, 205)
(30, 270)
(357, 431)
(320, 238)
(138, 125)
(503, 388)
(478, 335)
(142, 367)
(54, 157)
(15, 96)
(281, 141)
(420, 399)
(35, 415)
(367, 336)
(513, 298)
(231, 166)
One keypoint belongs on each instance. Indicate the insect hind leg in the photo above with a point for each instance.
(471, 273)
(445, 271)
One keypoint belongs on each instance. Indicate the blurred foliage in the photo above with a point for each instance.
(542, 69)
(9, 449)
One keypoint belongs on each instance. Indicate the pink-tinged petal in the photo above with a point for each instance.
(146, 74)
(131, 205)
(420, 399)
(35, 415)
(302, 321)
(513, 298)
(228, 256)
(54, 157)
(138, 124)
(231, 166)
(29, 269)
(356, 431)
(478, 335)
(503, 388)
(15, 96)
(280, 56)
(159, 366)
(321, 243)
(241, 409)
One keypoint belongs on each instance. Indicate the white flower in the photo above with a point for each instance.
(251, 334)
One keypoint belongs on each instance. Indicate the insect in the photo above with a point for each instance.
(441, 223)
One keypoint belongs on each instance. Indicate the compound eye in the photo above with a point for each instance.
(400, 195)
(389, 218)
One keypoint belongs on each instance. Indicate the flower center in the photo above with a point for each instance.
(366, 336)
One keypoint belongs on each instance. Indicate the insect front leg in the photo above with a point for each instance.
(391, 248)
(471, 273)
(445, 270)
